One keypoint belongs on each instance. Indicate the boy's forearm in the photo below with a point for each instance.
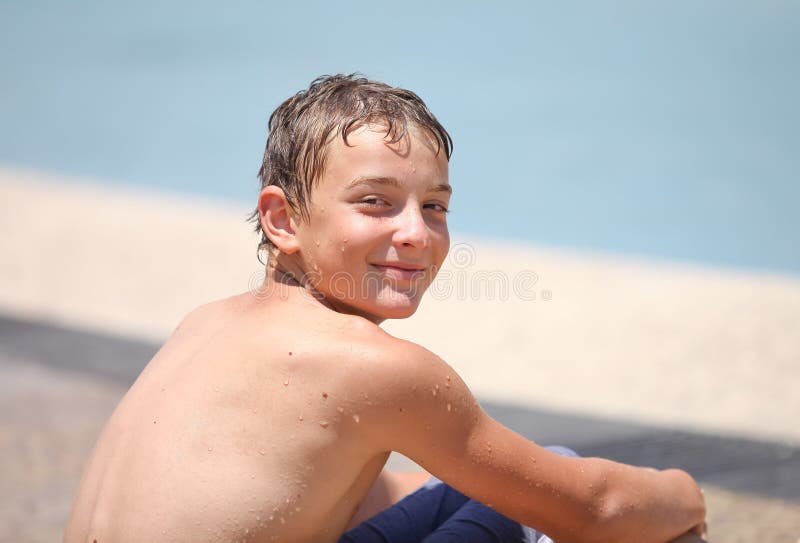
(642, 504)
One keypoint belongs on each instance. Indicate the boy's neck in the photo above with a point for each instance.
(284, 279)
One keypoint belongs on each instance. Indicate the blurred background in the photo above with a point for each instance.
(665, 129)
(642, 159)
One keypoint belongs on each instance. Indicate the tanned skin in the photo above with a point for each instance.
(268, 416)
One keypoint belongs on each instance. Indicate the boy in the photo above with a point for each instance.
(270, 417)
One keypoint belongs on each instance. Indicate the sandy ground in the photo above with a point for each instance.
(664, 344)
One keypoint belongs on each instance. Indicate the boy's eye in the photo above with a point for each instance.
(373, 201)
(437, 207)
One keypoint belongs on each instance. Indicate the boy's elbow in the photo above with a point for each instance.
(606, 516)
(601, 523)
(606, 522)
(595, 525)
(596, 520)
(616, 519)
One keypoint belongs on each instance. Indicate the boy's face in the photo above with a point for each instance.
(377, 229)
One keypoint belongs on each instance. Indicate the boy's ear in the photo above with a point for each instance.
(277, 219)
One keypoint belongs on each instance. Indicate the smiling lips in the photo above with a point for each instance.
(400, 270)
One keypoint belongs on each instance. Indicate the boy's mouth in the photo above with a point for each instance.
(400, 270)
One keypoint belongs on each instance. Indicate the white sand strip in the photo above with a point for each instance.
(659, 343)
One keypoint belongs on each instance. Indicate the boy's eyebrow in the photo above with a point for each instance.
(442, 187)
(393, 182)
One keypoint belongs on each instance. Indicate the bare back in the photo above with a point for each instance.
(269, 420)
(240, 428)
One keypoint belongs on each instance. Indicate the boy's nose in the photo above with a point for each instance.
(411, 231)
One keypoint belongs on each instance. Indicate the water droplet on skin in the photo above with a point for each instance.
(324, 423)
(356, 418)
(449, 407)
(210, 449)
(286, 382)
(216, 389)
(435, 391)
(316, 243)
(345, 240)
(262, 452)
(340, 409)
(255, 411)
(300, 417)
(343, 247)
(252, 476)
(271, 517)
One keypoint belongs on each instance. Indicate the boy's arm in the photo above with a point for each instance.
(424, 410)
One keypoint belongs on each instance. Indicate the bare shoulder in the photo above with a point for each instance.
(409, 371)
(413, 398)
(395, 366)
(209, 312)
(392, 373)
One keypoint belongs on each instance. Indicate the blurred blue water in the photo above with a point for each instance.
(667, 130)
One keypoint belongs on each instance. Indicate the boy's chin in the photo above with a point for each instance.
(396, 308)
(400, 312)
(397, 304)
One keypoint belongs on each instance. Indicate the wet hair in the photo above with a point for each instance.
(301, 128)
